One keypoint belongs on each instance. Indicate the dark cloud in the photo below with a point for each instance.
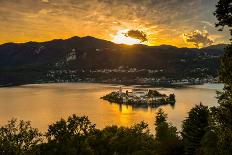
(198, 38)
(137, 34)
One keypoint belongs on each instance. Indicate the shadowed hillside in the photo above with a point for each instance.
(88, 53)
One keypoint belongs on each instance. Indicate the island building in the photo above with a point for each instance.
(139, 95)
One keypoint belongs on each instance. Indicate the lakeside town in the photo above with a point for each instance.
(130, 76)
(140, 98)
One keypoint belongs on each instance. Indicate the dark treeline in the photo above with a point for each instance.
(78, 136)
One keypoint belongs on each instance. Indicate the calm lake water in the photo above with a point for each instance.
(44, 104)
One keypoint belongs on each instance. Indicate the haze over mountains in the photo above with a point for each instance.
(89, 53)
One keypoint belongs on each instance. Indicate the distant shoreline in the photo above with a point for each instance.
(126, 84)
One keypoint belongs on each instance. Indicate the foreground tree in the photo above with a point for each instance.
(123, 140)
(78, 136)
(167, 139)
(18, 138)
(222, 115)
(68, 137)
(194, 129)
(224, 14)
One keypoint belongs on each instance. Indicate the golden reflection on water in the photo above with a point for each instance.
(47, 103)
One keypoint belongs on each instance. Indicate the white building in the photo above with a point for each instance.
(139, 93)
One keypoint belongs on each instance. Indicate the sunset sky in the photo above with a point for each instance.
(181, 23)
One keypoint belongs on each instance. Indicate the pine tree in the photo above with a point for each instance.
(222, 115)
(194, 129)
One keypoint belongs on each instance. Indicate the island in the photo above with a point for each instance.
(140, 98)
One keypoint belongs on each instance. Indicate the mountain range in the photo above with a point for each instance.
(89, 53)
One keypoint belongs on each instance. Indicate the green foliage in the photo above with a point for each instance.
(222, 123)
(160, 118)
(78, 136)
(194, 128)
(68, 137)
(225, 70)
(209, 143)
(123, 140)
(167, 139)
(171, 99)
(154, 93)
(221, 116)
(74, 126)
(224, 14)
(17, 138)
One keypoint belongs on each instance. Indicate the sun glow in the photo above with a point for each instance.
(121, 38)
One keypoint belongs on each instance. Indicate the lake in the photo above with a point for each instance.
(44, 104)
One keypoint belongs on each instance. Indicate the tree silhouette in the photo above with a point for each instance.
(224, 14)
(166, 137)
(194, 128)
(222, 120)
(18, 138)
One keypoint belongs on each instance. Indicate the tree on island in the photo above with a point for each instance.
(172, 97)
(155, 93)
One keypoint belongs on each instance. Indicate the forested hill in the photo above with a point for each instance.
(89, 53)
